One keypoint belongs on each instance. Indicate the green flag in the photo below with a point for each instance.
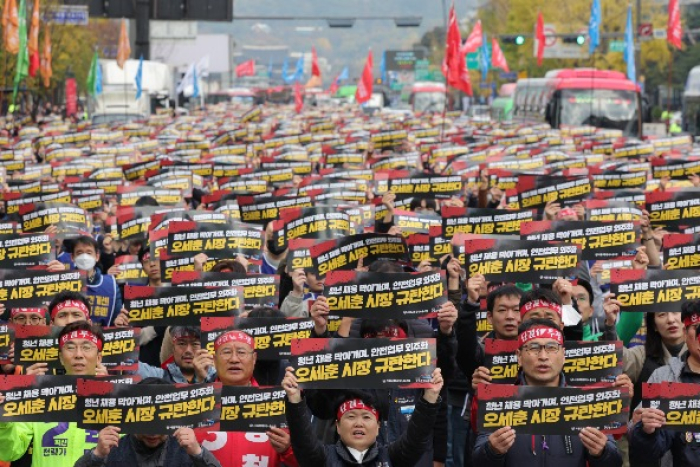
(92, 75)
(23, 55)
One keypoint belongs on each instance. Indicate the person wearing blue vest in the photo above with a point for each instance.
(102, 289)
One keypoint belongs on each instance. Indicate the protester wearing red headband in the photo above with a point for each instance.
(541, 360)
(80, 348)
(69, 307)
(358, 428)
(28, 316)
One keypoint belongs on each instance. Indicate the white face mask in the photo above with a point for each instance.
(85, 262)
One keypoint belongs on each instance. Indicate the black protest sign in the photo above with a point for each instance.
(344, 253)
(381, 296)
(251, 410)
(66, 217)
(412, 223)
(654, 290)
(25, 250)
(246, 185)
(501, 360)
(552, 411)
(610, 210)
(260, 210)
(135, 171)
(91, 203)
(319, 223)
(626, 196)
(169, 265)
(46, 398)
(388, 139)
(273, 336)
(617, 180)
(172, 306)
(120, 350)
(23, 288)
(623, 262)
(128, 195)
(681, 251)
(483, 221)
(130, 270)
(161, 220)
(588, 363)
(299, 255)
(679, 401)
(297, 168)
(674, 209)
(678, 169)
(505, 260)
(7, 338)
(272, 176)
(363, 363)
(188, 238)
(598, 240)
(535, 191)
(109, 186)
(37, 344)
(146, 409)
(133, 222)
(431, 247)
(13, 201)
(258, 289)
(409, 161)
(424, 186)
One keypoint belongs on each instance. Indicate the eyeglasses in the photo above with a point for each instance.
(535, 348)
(581, 298)
(227, 354)
(183, 344)
(33, 319)
(85, 348)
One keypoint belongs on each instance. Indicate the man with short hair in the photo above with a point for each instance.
(80, 353)
(69, 307)
(297, 303)
(180, 367)
(234, 359)
(541, 359)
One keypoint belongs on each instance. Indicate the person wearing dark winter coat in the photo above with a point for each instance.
(357, 424)
(541, 358)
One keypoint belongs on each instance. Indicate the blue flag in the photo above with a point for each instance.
(285, 70)
(629, 48)
(139, 79)
(299, 72)
(485, 58)
(594, 26)
(195, 83)
(382, 68)
(98, 80)
(269, 69)
(345, 74)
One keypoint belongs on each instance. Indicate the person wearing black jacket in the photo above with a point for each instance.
(357, 423)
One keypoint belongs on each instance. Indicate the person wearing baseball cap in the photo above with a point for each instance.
(541, 359)
(234, 360)
(80, 352)
(357, 423)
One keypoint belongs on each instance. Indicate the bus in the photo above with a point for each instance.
(575, 97)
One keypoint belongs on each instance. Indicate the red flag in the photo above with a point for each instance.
(315, 70)
(539, 35)
(474, 41)
(298, 98)
(246, 69)
(334, 86)
(498, 60)
(124, 49)
(455, 65)
(364, 86)
(674, 30)
(46, 68)
(34, 60)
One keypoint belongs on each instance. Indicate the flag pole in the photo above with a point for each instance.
(669, 96)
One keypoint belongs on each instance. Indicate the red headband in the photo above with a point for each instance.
(234, 336)
(71, 304)
(692, 319)
(15, 311)
(540, 332)
(87, 335)
(566, 212)
(355, 404)
(529, 306)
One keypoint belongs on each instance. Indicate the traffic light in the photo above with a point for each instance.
(580, 40)
(574, 39)
(512, 39)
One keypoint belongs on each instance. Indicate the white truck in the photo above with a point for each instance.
(118, 103)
